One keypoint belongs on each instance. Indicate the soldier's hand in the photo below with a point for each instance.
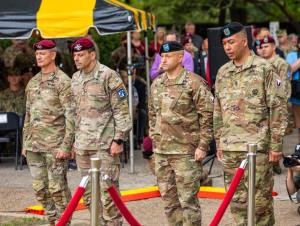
(220, 155)
(274, 156)
(62, 155)
(115, 148)
(24, 152)
(199, 154)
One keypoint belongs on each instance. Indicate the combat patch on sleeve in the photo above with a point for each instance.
(121, 93)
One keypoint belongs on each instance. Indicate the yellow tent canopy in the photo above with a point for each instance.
(70, 18)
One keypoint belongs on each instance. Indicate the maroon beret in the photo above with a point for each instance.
(186, 39)
(44, 44)
(82, 44)
(267, 39)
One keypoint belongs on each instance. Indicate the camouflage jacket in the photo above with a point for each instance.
(180, 114)
(101, 108)
(9, 55)
(250, 106)
(13, 101)
(49, 120)
(282, 68)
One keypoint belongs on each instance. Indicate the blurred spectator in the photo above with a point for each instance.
(2, 80)
(293, 59)
(293, 40)
(121, 52)
(190, 48)
(64, 59)
(25, 59)
(160, 37)
(293, 181)
(137, 44)
(283, 41)
(187, 61)
(148, 153)
(18, 47)
(190, 30)
(139, 100)
(257, 48)
(13, 98)
(261, 33)
(27, 73)
(122, 69)
(204, 64)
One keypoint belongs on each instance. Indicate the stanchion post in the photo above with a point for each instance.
(252, 148)
(95, 203)
(130, 96)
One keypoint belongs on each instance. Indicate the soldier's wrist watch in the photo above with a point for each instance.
(119, 141)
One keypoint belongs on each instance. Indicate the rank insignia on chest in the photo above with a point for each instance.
(254, 92)
(121, 93)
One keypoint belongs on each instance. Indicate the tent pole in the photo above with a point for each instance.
(155, 41)
(130, 90)
(147, 64)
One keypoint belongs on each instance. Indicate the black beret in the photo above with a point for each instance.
(168, 47)
(231, 29)
(257, 43)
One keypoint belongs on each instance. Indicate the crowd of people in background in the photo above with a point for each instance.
(18, 65)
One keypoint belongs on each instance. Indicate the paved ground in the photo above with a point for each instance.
(16, 194)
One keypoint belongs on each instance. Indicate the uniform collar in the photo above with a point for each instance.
(93, 73)
(273, 59)
(51, 75)
(248, 63)
(179, 80)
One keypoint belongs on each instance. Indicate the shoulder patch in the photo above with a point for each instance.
(121, 93)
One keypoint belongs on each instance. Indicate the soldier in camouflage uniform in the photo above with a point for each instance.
(102, 120)
(180, 120)
(250, 107)
(18, 47)
(281, 67)
(49, 131)
(13, 98)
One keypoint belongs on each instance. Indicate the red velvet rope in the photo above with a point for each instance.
(65, 217)
(222, 208)
(121, 206)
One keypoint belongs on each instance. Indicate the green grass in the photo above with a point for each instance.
(30, 221)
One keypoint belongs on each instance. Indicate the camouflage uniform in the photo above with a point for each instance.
(101, 116)
(281, 67)
(24, 60)
(250, 107)
(11, 101)
(9, 55)
(180, 119)
(49, 128)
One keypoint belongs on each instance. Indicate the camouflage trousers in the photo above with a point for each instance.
(109, 213)
(151, 164)
(264, 211)
(178, 179)
(49, 182)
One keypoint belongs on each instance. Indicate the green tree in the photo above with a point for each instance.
(221, 11)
